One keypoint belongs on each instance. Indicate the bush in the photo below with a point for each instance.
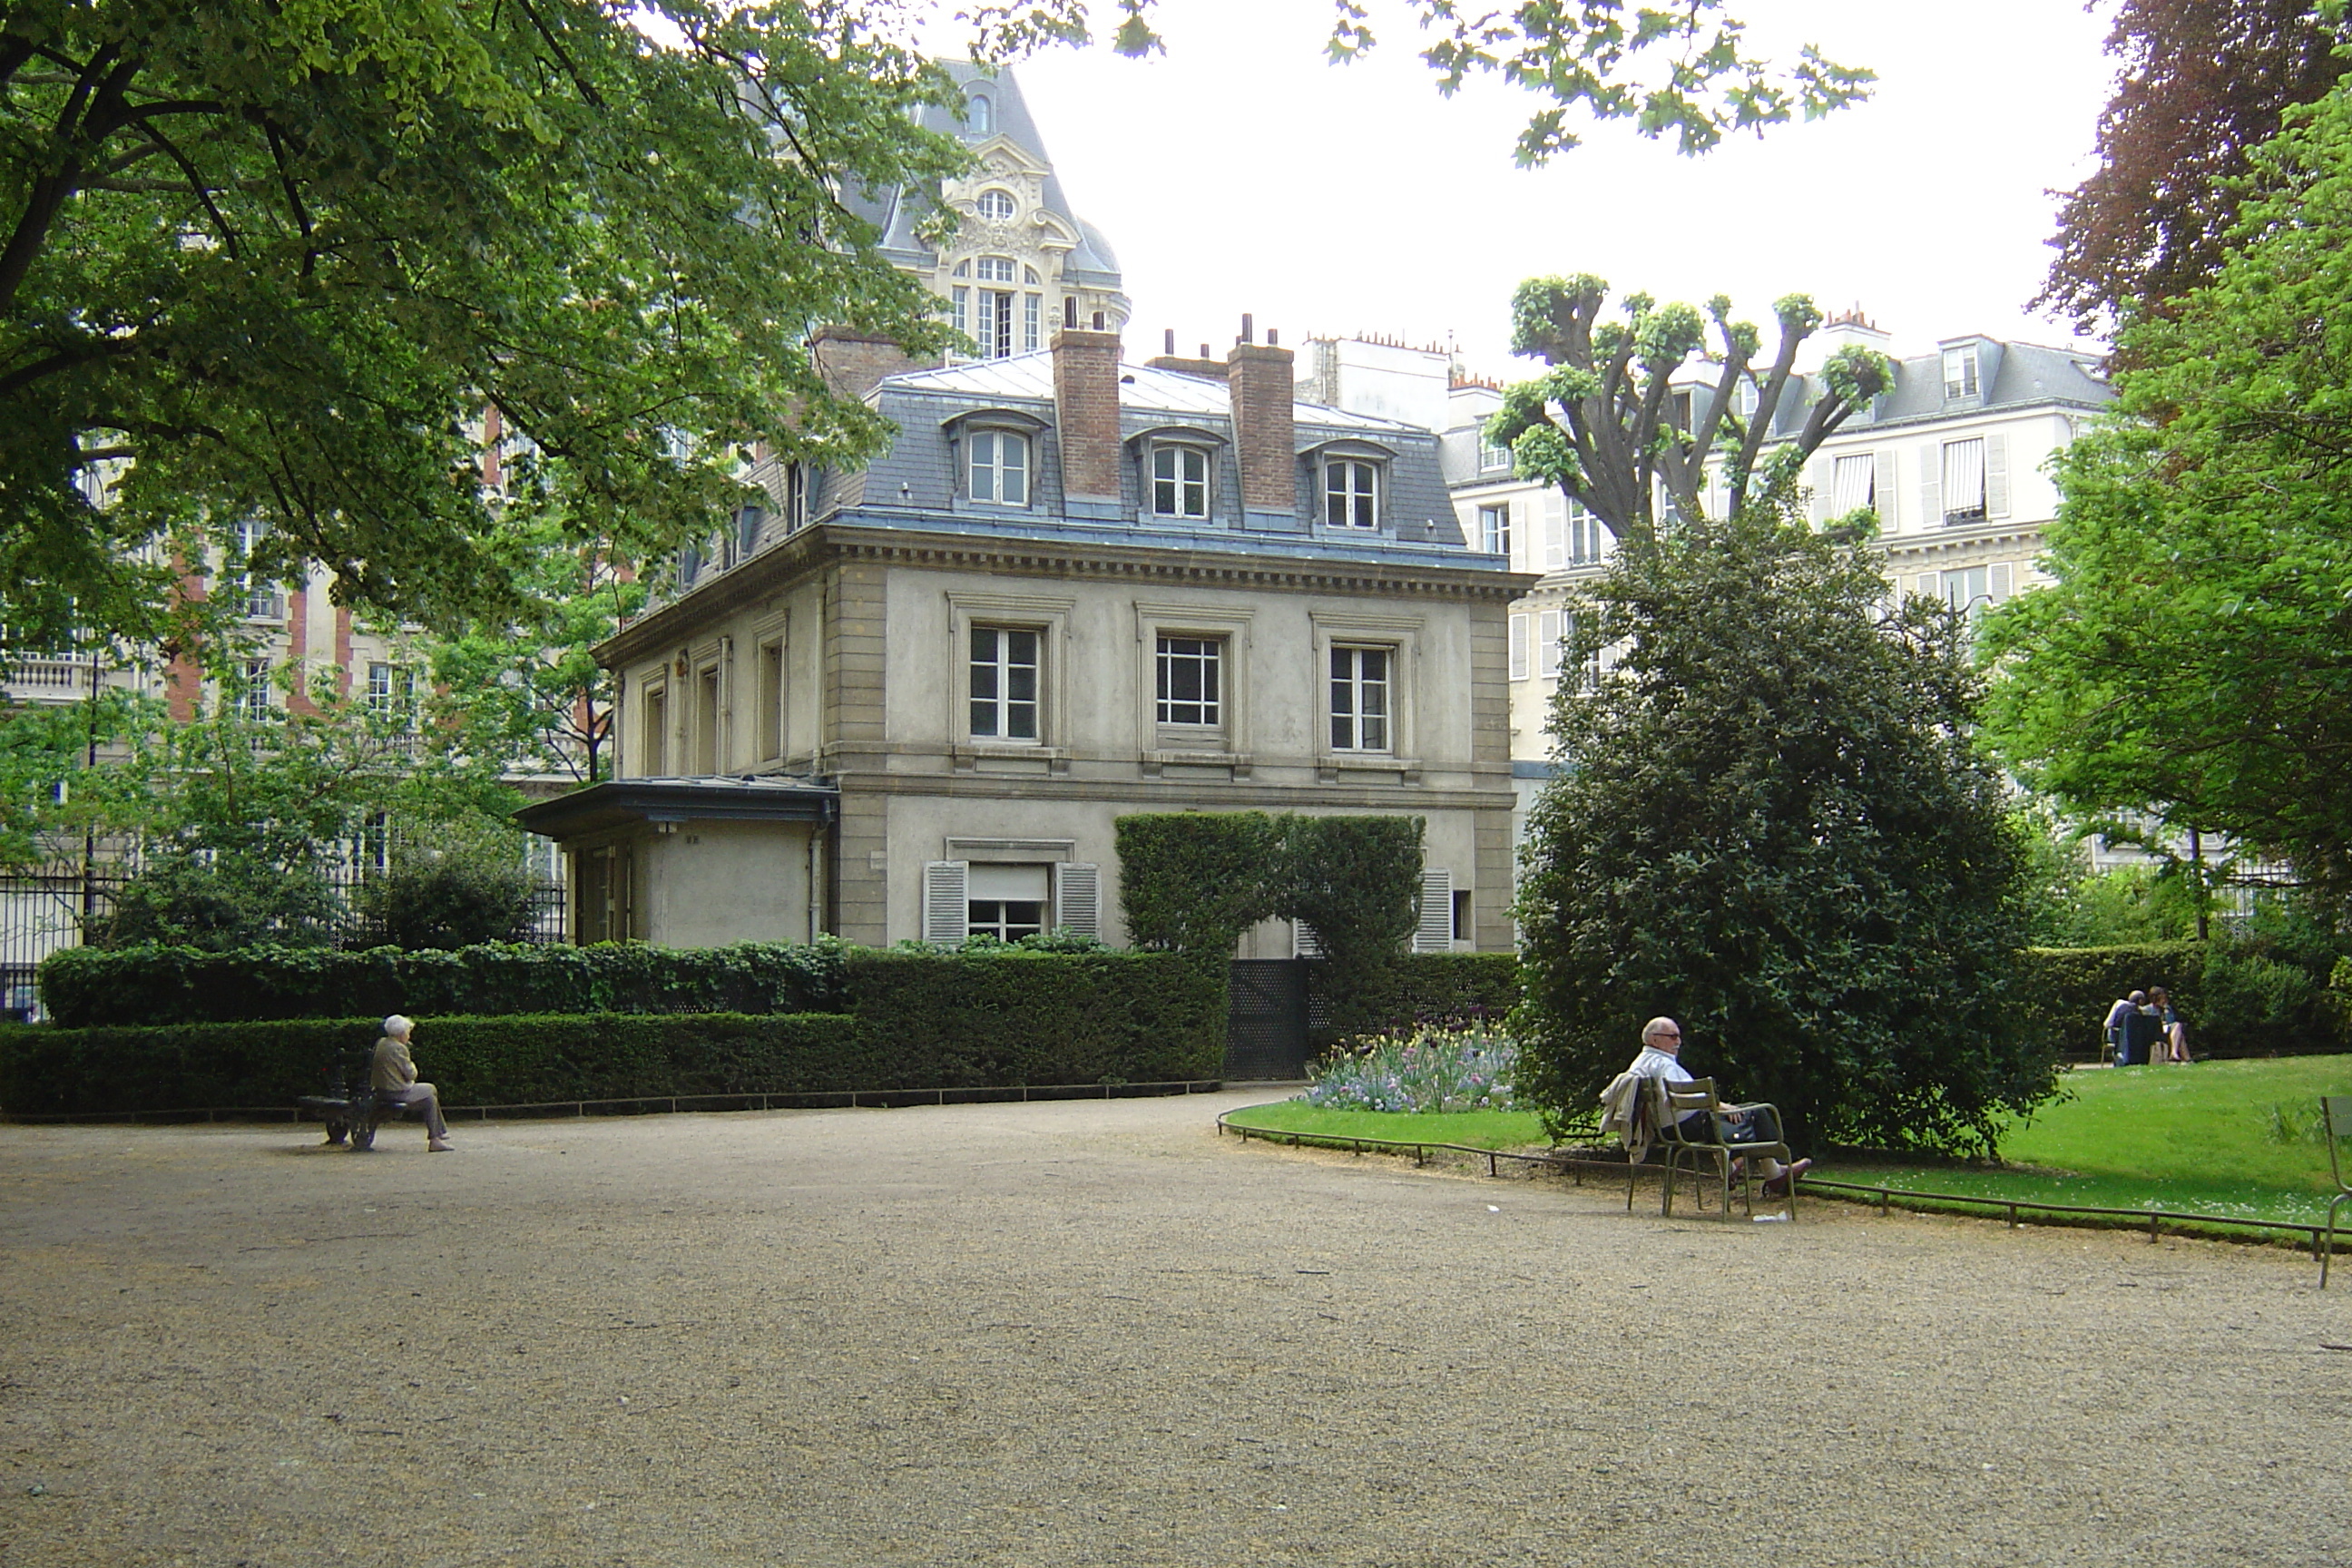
(508, 1060)
(2064, 992)
(985, 1019)
(1193, 881)
(84, 988)
(1430, 1069)
(456, 887)
(230, 901)
(1416, 988)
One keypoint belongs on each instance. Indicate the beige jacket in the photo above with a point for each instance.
(393, 1067)
(1627, 1110)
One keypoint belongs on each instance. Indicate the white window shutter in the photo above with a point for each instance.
(1996, 475)
(1548, 629)
(2000, 583)
(1520, 633)
(947, 913)
(1304, 943)
(1931, 585)
(1077, 898)
(1824, 484)
(1883, 488)
(1931, 485)
(1435, 932)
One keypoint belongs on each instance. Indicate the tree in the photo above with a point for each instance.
(1620, 420)
(451, 885)
(1681, 68)
(2202, 83)
(1771, 821)
(524, 690)
(1356, 880)
(282, 256)
(2192, 661)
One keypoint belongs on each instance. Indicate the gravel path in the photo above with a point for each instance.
(1095, 1332)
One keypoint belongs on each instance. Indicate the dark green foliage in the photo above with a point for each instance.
(1194, 881)
(1418, 989)
(996, 1017)
(229, 903)
(2247, 995)
(2063, 993)
(1357, 880)
(517, 1060)
(453, 886)
(87, 986)
(1007, 1016)
(1775, 827)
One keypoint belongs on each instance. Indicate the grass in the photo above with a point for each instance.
(2205, 1138)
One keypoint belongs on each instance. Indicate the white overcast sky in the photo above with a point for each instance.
(1239, 172)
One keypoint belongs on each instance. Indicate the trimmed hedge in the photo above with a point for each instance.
(83, 988)
(1418, 987)
(916, 1020)
(2066, 992)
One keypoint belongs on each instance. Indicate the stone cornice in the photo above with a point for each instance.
(1265, 571)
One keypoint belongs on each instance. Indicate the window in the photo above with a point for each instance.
(707, 752)
(978, 115)
(1853, 485)
(1462, 916)
(772, 699)
(1000, 467)
(1964, 480)
(372, 844)
(996, 207)
(995, 270)
(1495, 528)
(392, 693)
(1359, 699)
(1491, 457)
(1191, 680)
(1959, 373)
(253, 691)
(1572, 536)
(1180, 481)
(1004, 683)
(259, 601)
(656, 732)
(1350, 493)
(1007, 902)
(1032, 315)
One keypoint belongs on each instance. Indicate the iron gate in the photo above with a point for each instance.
(1266, 1021)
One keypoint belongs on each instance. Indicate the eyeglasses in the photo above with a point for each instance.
(1674, 1035)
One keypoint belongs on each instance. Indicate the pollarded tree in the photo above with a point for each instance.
(1622, 419)
(2193, 659)
(1772, 822)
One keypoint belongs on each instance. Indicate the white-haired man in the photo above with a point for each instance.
(394, 1075)
(1661, 1057)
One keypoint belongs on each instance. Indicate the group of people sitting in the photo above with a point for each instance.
(2143, 1027)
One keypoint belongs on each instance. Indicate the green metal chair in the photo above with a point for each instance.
(1702, 1137)
(2335, 1120)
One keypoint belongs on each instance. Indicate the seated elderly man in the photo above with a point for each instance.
(394, 1075)
(1661, 1058)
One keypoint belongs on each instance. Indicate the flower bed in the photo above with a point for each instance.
(1429, 1068)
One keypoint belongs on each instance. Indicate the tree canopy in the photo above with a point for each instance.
(1771, 821)
(2202, 83)
(279, 256)
(1624, 418)
(2193, 659)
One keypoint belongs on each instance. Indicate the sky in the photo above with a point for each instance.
(1240, 172)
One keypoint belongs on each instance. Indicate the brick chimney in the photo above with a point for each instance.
(1260, 384)
(1086, 407)
(852, 361)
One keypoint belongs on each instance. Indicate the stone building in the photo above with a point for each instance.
(1074, 588)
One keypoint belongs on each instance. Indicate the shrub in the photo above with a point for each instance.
(455, 887)
(229, 902)
(2063, 993)
(82, 987)
(1193, 881)
(1431, 1068)
(1357, 880)
(1416, 988)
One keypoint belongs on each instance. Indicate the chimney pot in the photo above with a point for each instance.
(1206, 353)
(1169, 343)
(1273, 338)
(1249, 330)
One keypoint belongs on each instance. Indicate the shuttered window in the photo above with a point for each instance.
(1435, 931)
(1964, 480)
(1855, 486)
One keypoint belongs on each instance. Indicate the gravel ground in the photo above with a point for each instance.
(1095, 1332)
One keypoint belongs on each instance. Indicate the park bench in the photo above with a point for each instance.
(352, 1115)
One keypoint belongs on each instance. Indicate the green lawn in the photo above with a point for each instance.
(2196, 1139)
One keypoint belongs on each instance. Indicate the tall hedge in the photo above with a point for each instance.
(910, 1020)
(1193, 881)
(2066, 992)
(83, 988)
(1418, 987)
(2239, 1000)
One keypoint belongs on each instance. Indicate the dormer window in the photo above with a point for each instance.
(980, 116)
(999, 468)
(1351, 492)
(996, 207)
(1959, 373)
(1179, 482)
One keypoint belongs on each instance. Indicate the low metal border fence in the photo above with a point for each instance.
(1815, 1185)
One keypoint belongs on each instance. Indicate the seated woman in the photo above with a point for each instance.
(394, 1075)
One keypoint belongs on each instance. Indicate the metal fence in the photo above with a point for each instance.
(62, 904)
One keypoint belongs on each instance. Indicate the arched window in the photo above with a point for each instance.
(1180, 481)
(1351, 494)
(999, 468)
(980, 116)
(996, 207)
